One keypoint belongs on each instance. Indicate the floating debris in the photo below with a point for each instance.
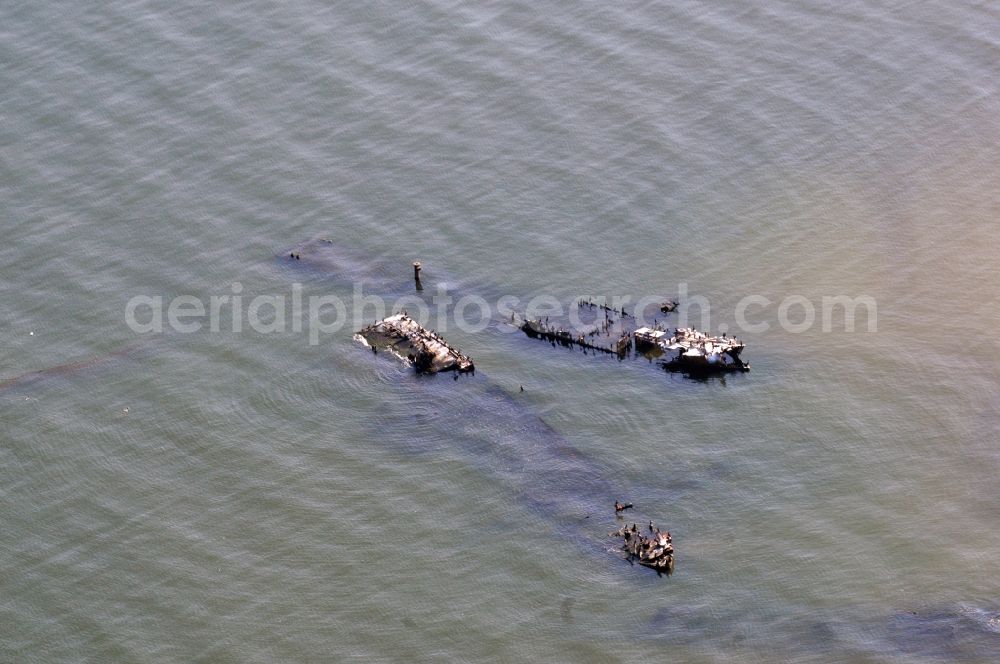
(407, 339)
(655, 550)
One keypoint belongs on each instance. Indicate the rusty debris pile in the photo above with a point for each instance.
(407, 339)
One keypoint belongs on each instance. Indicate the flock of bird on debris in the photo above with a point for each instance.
(654, 550)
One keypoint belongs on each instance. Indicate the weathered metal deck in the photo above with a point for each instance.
(697, 351)
(407, 339)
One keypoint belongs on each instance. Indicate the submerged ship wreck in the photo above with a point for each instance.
(614, 331)
(407, 339)
(655, 549)
(610, 331)
(696, 351)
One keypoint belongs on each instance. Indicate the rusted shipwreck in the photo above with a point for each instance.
(540, 329)
(609, 331)
(407, 339)
(614, 330)
(654, 549)
(695, 351)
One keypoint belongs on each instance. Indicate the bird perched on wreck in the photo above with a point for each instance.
(621, 507)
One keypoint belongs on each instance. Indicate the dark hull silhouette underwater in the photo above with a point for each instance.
(504, 438)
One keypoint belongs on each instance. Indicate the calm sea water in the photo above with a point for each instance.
(250, 497)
